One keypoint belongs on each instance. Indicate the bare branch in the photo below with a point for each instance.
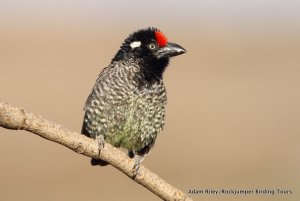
(19, 119)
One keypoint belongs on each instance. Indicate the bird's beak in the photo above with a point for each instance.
(170, 50)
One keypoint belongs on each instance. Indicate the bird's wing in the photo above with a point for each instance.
(91, 97)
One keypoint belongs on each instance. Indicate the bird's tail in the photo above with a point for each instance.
(100, 162)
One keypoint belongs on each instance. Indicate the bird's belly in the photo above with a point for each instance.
(135, 124)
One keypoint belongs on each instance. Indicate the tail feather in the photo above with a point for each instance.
(100, 162)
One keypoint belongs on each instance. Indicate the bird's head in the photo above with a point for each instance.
(150, 45)
(150, 50)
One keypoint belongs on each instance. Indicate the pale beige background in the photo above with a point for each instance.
(233, 113)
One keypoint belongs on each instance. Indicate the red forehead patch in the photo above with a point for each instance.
(161, 39)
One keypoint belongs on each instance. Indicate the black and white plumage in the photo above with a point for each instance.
(126, 107)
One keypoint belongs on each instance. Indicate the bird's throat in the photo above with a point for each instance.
(153, 69)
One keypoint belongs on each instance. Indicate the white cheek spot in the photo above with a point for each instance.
(135, 44)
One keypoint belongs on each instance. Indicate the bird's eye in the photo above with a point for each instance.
(152, 46)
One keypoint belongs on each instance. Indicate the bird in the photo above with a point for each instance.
(127, 104)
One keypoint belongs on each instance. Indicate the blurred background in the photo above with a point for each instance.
(233, 115)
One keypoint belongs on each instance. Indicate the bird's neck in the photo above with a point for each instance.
(149, 69)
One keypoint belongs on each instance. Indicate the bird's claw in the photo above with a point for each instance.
(135, 170)
(137, 163)
(100, 140)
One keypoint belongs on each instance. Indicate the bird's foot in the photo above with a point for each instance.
(100, 140)
(97, 161)
(137, 163)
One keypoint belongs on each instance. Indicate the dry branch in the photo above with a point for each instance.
(19, 119)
